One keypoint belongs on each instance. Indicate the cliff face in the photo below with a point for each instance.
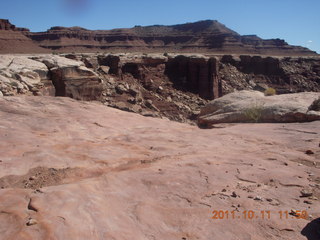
(203, 36)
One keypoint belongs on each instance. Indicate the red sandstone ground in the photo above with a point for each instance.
(80, 170)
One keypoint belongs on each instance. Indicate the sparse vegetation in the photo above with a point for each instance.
(315, 106)
(270, 92)
(254, 113)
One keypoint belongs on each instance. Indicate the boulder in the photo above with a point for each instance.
(22, 64)
(77, 82)
(254, 106)
(72, 78)
(90, 62)
(22, 74)
(104, 69)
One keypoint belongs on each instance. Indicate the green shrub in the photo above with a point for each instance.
(270, 92)
(254, 113)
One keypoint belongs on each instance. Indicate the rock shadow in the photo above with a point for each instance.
(312, 230)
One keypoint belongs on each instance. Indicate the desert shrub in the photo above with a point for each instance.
(270, 92)
(254, 113)
(315, 106)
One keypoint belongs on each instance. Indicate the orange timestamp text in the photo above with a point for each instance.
(264, 214)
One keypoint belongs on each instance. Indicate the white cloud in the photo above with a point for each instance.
(310, 41)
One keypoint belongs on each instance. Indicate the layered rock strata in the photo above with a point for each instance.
(204, 36)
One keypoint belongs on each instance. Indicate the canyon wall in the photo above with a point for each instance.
(207, 36)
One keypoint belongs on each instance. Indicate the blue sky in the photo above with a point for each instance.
(296, 21)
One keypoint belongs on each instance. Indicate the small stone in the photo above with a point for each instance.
(306, 193)
(121, 89)
(307, 201)
(309, 152)
(294, 212)
(299, 164)
(133, 91)
(105, 69)
(258, 198)
(234, 195)
(224, 190)
(132, 100)
(38, 191)
(269, 199)
(149, 102)
(250, 196)
(32, 178)
(31, 222)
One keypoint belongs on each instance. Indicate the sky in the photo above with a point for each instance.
(296, 21)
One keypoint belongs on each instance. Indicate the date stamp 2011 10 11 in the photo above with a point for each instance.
(264, 214)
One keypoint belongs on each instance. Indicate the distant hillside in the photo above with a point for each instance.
(207, 36)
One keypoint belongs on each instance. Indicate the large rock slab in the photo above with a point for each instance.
(79, 170)
(23, 75)
(48, 75)
(254, 106)
(72, 79)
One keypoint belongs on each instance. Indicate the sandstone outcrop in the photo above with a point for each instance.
(72, 79)
(23, 75)
(254, 106)
(204, 36)
(80, 170)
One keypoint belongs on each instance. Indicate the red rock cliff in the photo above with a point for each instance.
(204, 36)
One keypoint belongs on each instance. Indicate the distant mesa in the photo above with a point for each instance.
(208, 36)
(6, 25)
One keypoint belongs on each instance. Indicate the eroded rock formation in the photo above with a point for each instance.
(172, 86)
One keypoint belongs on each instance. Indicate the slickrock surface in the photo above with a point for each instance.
(79, 170)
